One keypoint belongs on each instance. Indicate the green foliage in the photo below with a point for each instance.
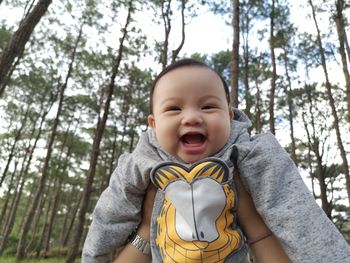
(342, 220)
(11, 246)
(221, 62)
(5, 36)
(200, 57)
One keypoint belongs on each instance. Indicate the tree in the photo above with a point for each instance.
(45, 96)
(332, 102)
(235, 55)
(166, 15)
(176, 51)
(13, 147)
(19, 39)
(340, 25)
(315, 142)
(274, 73)
(259, 75)
(31, 210)
(251, 10)
(78, 229)
(285, 40)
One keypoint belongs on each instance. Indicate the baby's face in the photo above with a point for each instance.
(191, 117)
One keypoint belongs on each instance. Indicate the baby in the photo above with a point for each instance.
(189, 154)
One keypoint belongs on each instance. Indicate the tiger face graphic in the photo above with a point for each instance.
(196, 220)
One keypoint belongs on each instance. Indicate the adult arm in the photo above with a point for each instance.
(118, 210)
(130, 254)
(264, 246)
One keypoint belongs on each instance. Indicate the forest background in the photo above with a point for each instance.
(74, 95)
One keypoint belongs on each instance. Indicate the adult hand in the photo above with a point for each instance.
(129, 254)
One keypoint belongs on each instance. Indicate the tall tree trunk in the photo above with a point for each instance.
(10, 220)
(57, 194)
(28, 7)
(309, 157)
(22, 178)
(346, 42)
(345, 164)
(288, 91)
(111, 165)
(235, 56)
(57, 187)
(343, 33)
(7, 79)
(4, 225)
(176, 52)
(66, 234)
(314, 144)
(125, 113)
(339, 21)
(29, 217)
(132, 138)
(247, 95)
(258, 122)
(35, 224)
(66, 216)
(73, 248)
(7, 199)
(274, 74)
(13, 148)
(166, 16)
(52, 216)
(44, 227)
(19, 39)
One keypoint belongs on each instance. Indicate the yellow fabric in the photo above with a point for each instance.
(175, 249)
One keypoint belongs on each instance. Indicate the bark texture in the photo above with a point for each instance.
(19, 39)
(235, 55)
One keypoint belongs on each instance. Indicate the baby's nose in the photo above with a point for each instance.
(192, 117)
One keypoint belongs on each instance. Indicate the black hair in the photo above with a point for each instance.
(183, 63)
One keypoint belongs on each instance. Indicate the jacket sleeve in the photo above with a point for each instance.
(118, 210)
(286, 204)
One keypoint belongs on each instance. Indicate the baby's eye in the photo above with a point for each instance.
(208, 107)
(172, 108)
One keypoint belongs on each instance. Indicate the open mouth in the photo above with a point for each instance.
(193, 139)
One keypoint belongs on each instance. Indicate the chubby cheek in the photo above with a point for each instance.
(221, 130)
(166, 138)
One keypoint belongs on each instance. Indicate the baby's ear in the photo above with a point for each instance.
(151, 121)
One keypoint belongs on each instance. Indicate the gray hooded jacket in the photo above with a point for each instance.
(267, 172)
